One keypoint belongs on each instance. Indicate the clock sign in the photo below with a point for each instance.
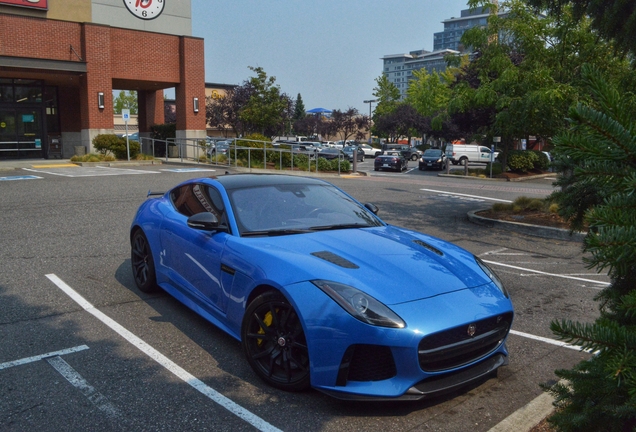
(145, 9)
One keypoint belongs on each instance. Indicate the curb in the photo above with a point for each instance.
(523, 228)
(119, 163)
(519, 179)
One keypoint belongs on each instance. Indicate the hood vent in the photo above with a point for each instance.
(335, 259)
(429, 247)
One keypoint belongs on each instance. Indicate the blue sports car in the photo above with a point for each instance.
(288, 266)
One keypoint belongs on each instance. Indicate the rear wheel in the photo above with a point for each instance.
(414, 157)
(463, 161)
(274, 342)
(143, 265)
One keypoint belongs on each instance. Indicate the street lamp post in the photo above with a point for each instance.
(370, 101)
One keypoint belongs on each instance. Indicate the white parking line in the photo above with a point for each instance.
(164, 361)
(96, 171)
(548, 274)
(181, 170)
(42, 356)
(547, 340)
(465, 195)
(76, 380)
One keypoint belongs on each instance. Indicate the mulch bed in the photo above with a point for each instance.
(527, 216)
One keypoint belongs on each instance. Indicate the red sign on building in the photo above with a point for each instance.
(36, 4)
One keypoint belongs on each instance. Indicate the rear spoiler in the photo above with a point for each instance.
(151, 193)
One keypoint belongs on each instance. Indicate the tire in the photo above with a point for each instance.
(143, 265)
(376, 169)
(274, 342)
(414, 157)
(463, 161)
(455, 162)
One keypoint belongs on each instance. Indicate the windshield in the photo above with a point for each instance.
(296, 208)
(433, 152)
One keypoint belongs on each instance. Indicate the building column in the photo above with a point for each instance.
(191, 124)
(96, 119)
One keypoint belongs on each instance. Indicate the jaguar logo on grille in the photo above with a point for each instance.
(472, 329)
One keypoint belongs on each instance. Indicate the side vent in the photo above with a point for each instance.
(428, 247)
(335, 259)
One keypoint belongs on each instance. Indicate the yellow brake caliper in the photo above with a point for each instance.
(267, 319)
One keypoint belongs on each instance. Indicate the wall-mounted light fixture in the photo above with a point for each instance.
(195, 102)
(100, 100)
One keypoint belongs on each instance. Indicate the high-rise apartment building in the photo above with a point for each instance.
(399, 67)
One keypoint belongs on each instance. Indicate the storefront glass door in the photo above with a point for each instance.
(21, 133)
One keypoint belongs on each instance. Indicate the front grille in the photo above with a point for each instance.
(366, 363)
(456, 347)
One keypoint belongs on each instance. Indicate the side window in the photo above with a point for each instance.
(196, 198)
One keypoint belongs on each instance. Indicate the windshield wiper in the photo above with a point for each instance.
(276, 232)
(340, 226)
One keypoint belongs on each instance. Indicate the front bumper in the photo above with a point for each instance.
(390, 363)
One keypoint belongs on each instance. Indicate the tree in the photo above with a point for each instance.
(264, 110)
(612, 19)
(429, 94)
(299, 109)
(526, 72)
(125, 99)
(600, 148)
(349, 124)
(314, 125)
(405, 121)
(387, 96)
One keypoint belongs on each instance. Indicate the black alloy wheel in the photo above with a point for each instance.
(143, 265)
(274, 342)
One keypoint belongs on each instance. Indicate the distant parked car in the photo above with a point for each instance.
(432, 158)
(219, 148)
(368, 150)
(393, 160)
(409, 152)
(348, 150)
(330, 153)
(131, 136)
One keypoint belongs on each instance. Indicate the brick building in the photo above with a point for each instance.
(61, 59)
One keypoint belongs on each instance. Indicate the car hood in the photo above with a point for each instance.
(392, 264)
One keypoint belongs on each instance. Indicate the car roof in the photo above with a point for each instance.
(240, 181)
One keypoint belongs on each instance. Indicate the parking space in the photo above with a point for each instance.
(85, 350)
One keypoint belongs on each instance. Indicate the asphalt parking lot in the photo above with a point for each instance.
(84, 349)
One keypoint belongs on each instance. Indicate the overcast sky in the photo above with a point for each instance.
(329, 51)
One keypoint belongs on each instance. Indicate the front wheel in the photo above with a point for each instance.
(414, 157)
(274, 342)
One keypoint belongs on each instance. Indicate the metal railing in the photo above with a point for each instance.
(250, 154)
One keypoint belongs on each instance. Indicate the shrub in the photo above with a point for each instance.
(542, 163)
(324, 164)
(111, 143)
(104, 142)
(521, 160)
(345, 165)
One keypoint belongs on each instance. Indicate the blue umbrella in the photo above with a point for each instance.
(319, 111)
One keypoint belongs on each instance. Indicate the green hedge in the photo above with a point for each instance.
(111, 143)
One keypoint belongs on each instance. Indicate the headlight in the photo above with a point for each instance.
(492, 275)
(360, 305)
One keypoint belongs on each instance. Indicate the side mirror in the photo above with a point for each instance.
(205, 221)
(372, 208)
